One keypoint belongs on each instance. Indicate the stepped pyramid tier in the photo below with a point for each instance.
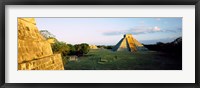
(34, 51)
(129, 43)
(93, 47)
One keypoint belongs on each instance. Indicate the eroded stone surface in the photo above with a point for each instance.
(34, 51)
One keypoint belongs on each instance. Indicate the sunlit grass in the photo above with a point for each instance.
(103, 59)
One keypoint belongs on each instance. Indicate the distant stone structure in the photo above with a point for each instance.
(34, 51)
(128, 43)
(93, 47)
(73, 58)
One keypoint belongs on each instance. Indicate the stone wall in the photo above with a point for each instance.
(34, 51)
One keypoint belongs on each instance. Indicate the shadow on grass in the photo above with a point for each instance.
(103, 59)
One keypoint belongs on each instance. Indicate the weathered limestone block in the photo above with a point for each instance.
(45, 63)
(34, 51)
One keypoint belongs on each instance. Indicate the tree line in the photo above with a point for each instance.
(69, 49)
(64, 48)
(173, 48)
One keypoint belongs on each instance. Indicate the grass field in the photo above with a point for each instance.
(104, 59)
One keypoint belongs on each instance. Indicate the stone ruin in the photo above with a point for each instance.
(34, 51)
(129, 43)
(93, 47)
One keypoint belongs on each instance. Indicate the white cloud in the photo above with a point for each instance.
(143, 30)
(136, 30)
(156, 28)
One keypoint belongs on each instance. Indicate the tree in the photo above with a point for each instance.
(46, 34)
(85, 48)
(81, 49)
(61, 47)
(160, 43)
(109, 47)
(72, 49)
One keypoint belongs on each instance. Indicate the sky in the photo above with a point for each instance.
(109, 31)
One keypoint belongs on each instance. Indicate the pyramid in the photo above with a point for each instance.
(128, 43)
(93, 47)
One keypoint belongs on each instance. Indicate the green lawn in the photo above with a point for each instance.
(103, 59)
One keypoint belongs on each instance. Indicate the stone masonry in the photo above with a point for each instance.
(34, 51)
(129, 43)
